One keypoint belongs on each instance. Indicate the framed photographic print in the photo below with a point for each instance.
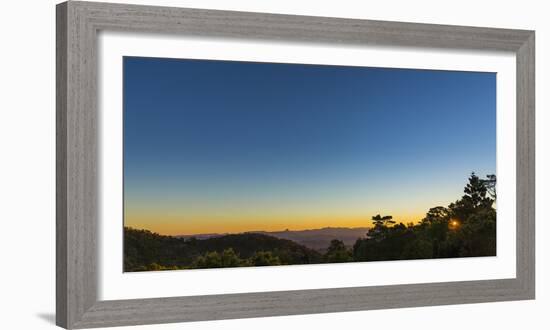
(216, 165)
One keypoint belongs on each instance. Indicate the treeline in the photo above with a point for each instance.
(466, 228)
(144, 250)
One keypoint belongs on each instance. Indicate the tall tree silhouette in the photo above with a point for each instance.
(490, 183)
(476, 192)
(381, 223)
(466, 228)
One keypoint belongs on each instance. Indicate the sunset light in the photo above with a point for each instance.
(230, 164)
(454, 224)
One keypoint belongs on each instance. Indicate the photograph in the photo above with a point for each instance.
(245, 165)
(248, 164)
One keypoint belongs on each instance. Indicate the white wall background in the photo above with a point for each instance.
(27, 166)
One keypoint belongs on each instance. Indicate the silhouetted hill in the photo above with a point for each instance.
(143, 248)
(465, 228)
(247, 243)
(316, 239)
(319, 239)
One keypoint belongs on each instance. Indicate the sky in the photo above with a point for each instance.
(226, 146)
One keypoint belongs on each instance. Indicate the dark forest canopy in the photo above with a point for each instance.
(465, 228)
(144, 250)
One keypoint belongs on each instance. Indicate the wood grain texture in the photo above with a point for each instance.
(77, 166)
(525, 165)
(77, 141)
(61, 166)
(200, 22)
(197, 308)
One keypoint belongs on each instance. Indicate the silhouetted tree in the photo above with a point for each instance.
(490, 183)
(418, 248)
(382, 220)
(433, 228)
(264, 258)
(474, 222)
(465, 228)
(209, 260)
(338, 252)
(381, 223)
(230, 259)
(437, 214)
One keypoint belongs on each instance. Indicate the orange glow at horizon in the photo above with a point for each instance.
(178, 225)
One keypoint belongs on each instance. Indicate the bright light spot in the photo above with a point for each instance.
(454, 224)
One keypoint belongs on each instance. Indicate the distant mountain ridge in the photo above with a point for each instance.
(317, 239)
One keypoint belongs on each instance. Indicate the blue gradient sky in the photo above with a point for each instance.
(220, 146)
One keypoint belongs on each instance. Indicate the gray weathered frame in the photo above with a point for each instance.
(77, 150)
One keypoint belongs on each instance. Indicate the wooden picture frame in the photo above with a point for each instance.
(78, 24)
